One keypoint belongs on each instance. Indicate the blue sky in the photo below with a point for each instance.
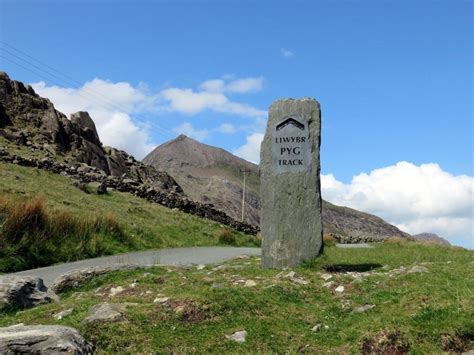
(394, 79)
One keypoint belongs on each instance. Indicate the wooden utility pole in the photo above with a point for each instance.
(245, 171)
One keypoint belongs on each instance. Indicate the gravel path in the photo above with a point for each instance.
(176, 256)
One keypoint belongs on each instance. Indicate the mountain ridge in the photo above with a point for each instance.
(212, 174)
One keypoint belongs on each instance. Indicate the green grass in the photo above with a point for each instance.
(143, 225)
(426, 311)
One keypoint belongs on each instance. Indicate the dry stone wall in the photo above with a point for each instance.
(166, 196)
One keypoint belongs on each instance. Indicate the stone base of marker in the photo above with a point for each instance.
(291, 223)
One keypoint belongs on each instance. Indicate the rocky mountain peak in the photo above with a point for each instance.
(431, 238)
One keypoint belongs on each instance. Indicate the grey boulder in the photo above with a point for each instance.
(43, 339)
(105, 312)
(24, 291)
(76, 278)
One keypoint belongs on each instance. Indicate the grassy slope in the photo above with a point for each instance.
(429, 310)
(146, 225)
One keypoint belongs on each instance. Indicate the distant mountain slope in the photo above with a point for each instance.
(431, 237)
(211, 174)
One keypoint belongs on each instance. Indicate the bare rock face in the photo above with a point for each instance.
(84, 122)
(30, 120)
(291, 223)
(44, 339)
(24, 291)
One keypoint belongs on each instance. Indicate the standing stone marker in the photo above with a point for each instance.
(291, 223)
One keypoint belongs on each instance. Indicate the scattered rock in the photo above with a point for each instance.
(161, 300)
(326, 277)
(416, 269)
(292, 276)
(76, 278)
(179, 309)
(200, 266)
(62, 314)
(300, 281)
(105, 312)
(317, 327)
(250, 283)
(339, 289)
(328, 284)
(43, 339)
(363, 308)
(115, 290)
(217, 285)
(207, 280)
(238, 337)
(24, 291)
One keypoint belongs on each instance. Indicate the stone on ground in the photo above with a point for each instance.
(105, 312)
(238, 337)
(417, 269)
(363, 308)
(78, 277)
(24, 291)
(43, 339)
(62, 314)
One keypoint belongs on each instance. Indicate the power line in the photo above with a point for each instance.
(93, 95)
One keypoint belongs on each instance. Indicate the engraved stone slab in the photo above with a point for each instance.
(290, 145)
(291, 223)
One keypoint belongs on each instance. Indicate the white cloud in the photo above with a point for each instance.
(415, 198)
(240, 86)
(251, 149)
(245, 85)
(212, 95)
(111, 106)
(187, 129)
(226, 128)
(287, 53)
(116, 107)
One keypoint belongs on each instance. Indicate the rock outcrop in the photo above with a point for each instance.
(43, 339)
(32, 121)
(23, 291)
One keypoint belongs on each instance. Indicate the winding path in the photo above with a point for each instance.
(175, 256)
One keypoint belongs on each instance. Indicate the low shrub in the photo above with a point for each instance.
(227, 237)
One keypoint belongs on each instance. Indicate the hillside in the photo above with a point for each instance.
(33, 133)
(391, 299)
(211, 174)
(139, 225)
